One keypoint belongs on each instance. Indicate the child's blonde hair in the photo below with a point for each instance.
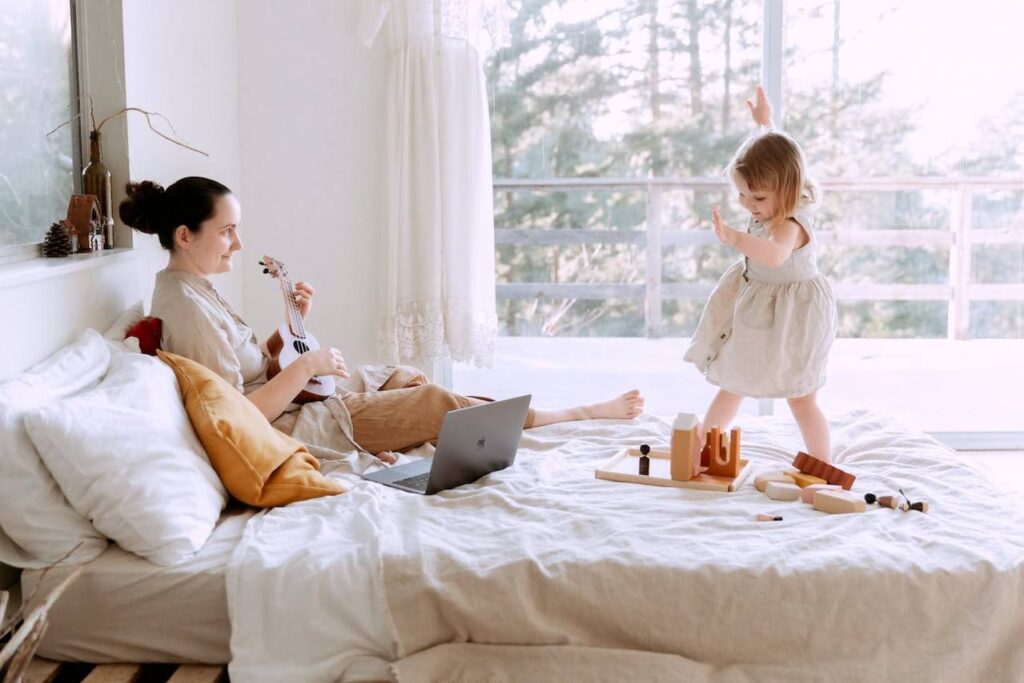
(774, 162)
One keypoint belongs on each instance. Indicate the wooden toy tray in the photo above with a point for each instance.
(624, 466)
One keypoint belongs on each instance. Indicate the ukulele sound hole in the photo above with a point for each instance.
(300, 346)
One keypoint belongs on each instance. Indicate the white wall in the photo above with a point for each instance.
(311, 107)
(181, 60)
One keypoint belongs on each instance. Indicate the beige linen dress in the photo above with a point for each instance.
(766, 332)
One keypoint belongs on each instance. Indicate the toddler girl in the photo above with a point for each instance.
(768, 326)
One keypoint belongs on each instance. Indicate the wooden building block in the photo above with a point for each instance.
(808, 464)
(777, 490)
(807, 493)
(727, 461)
(804, 480)
(761, 480)
(838, 502)
(685, 448)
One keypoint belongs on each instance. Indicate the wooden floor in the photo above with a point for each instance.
(45, 671)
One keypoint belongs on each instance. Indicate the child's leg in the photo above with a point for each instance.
(721, 411)
(813, 425)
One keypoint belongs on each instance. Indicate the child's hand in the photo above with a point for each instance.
(723, 232)
(759, 108)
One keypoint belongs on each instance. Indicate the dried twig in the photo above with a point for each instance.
(6, 628)
(149, 122)
(23, 657)
(30, 625)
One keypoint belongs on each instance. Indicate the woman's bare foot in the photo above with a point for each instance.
(624, 407)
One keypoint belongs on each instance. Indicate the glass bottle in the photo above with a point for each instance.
(96, 181)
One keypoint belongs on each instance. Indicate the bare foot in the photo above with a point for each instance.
(624, 407)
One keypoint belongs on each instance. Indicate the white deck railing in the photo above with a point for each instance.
(959, 237)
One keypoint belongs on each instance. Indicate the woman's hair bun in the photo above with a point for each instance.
(143, 207)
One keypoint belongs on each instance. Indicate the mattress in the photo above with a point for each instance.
(124, 608)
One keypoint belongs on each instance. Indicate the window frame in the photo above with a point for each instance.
(34, 250)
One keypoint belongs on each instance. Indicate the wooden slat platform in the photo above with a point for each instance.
(45, 671)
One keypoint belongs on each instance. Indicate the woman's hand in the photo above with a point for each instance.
(723, 232)
(304, 297)
(759, 108)
(325, 361)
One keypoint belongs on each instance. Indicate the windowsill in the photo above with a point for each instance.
(42, 268)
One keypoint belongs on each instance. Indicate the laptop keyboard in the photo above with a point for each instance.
(419, 482)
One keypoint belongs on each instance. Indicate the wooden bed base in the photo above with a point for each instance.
(44, 671)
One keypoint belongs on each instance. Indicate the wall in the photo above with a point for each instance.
(181, 61)
(311, 107)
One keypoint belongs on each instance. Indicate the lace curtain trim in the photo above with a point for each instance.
(417, 332)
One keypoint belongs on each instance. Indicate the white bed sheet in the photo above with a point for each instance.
(544, 555)
(124, 608)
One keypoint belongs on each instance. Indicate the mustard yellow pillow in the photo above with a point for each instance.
(258, 464)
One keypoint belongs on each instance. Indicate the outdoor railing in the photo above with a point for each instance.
(959, 238)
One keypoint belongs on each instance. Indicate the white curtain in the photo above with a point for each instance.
(440, 297)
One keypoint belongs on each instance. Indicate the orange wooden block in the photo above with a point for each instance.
(685, 448)
(726, 462)
(804, 480)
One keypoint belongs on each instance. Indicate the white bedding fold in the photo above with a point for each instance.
(544, 554)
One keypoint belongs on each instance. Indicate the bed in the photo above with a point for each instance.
(542, 572)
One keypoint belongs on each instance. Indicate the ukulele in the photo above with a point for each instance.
(291, 339)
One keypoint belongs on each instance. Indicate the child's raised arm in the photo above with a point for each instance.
(771, 252)
(760, 108)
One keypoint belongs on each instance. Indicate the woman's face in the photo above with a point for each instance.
(209, 251)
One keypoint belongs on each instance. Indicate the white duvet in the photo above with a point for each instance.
(542, 572)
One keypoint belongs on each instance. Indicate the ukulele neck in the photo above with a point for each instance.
(292, 309)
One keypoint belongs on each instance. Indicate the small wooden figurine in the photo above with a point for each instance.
(84, 214)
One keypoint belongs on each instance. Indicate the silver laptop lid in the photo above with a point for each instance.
(476, 441)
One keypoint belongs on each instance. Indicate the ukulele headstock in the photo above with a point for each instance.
(273, 267)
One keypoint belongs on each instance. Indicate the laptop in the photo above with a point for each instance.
(473, 442)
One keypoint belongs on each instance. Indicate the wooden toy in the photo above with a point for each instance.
(761, 517)
(900, 502)
(645, 462)
(725, 461)
(623, 467)
(804, 480)
(777, 490)
(838, 502)
(808, 464)
(685, 448)
(761, 480)
(807, 493)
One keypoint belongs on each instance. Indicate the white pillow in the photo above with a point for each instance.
(126, 457)
(33, 511)
(134, 314)
(115, 334)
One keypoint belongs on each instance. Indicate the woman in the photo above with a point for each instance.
(197, 221)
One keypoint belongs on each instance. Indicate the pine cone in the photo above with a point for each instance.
(57, 242)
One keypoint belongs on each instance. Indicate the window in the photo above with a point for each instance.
(38, 91)
(611, 123)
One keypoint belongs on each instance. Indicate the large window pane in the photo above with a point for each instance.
(37, 172)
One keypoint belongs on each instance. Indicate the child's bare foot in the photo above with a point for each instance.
(624, 407)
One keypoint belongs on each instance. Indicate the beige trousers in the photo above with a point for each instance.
(407, 411)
